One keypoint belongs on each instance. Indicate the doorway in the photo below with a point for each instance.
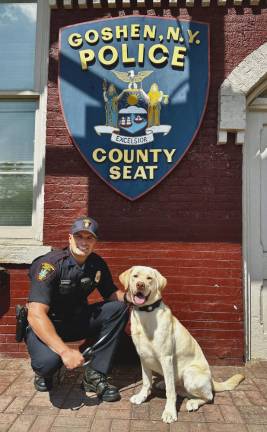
(255, 227)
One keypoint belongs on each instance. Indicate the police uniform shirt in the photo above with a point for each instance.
(58, 281)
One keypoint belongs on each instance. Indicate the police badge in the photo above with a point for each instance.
(133, 92)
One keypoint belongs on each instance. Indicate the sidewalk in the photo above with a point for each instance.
(22, 409)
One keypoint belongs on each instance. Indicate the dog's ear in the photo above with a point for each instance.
(125, 277)
(161, 280)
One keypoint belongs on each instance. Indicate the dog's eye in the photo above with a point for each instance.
(135, 276)
(149, 278)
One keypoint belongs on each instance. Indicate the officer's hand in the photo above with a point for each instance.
(72, 358)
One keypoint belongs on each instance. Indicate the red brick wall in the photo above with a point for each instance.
(13, 292)
(204, 291)
(189, 226)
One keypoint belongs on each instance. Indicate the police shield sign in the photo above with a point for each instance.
(133, 92)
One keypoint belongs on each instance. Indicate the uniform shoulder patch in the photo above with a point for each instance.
(45, 270)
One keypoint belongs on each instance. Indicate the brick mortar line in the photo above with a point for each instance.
(12, 382)
(14, 397)
(258, 388)
(92, 421)
(28, 402)
(17, 416)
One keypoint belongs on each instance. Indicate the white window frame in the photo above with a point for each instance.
(20, 244)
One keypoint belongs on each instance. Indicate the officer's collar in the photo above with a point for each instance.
(149, 308)
(72, 261)
(70, 257)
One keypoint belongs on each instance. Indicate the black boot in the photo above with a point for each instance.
(43, 384)
(97, 382)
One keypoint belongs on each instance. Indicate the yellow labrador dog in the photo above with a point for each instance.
(166, 347)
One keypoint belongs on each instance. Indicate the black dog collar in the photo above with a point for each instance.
(149, 308)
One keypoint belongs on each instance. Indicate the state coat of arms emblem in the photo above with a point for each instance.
(133, 112)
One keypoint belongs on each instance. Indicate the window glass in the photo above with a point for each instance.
(17, 123)
(17, 45)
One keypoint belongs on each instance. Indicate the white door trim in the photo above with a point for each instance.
(254, 275)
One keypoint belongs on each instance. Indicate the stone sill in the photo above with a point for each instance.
(21, 253)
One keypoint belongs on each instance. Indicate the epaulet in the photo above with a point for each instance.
(96, 257)
(54, 255)
(57, 254)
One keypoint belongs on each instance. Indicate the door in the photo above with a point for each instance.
(255, 228)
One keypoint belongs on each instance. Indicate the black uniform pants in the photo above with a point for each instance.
(95, 320)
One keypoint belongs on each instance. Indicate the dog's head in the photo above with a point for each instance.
(143, 285)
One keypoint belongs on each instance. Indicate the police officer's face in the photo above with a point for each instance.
(82, 243)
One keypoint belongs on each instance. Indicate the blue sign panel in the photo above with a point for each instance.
(133, 92)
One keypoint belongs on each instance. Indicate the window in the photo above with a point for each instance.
(17, 45)
(16, 162)
(24, 35)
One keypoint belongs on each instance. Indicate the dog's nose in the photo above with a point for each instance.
(140, 285)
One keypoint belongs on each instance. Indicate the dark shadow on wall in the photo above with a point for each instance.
(200, 200)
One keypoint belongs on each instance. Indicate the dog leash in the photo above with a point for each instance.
(89, 352)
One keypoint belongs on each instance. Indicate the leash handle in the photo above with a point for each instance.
(87, 355)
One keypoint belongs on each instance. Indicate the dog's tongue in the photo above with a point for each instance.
(139, 299)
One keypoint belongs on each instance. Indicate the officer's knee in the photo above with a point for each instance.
(48, 365)
(121, 306)
(117, 309)
(123, 311)
(125, 308)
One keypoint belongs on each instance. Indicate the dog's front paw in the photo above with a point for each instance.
(192, 405)
(169, 416)
(139, 398)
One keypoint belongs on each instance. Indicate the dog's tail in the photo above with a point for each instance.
(229, 384)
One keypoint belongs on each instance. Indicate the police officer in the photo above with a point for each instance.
(58, 311)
